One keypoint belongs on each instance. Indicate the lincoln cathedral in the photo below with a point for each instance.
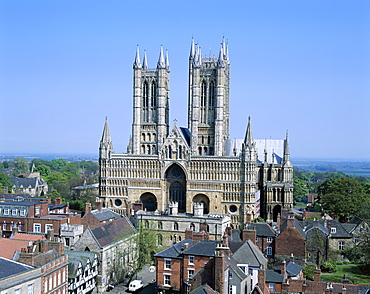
(198, 164)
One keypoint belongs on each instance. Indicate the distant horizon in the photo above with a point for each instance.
(89, 154)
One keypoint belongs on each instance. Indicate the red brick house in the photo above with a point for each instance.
(290, 241)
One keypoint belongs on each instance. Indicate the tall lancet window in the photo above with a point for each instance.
(211, 94)
(145, 101)
(203, 102)
(154, 95)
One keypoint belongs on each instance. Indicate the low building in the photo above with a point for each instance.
(82, 271)
(70, 234)
(170, 225)
(100, 215)
(111, 241)
(32, 185)
(19, 278)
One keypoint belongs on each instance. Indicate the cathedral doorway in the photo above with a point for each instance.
(276, 210)
(176, 183)
(149, 201)
(201, 198)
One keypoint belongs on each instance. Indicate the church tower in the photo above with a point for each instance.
(151, 105)
(208, 101)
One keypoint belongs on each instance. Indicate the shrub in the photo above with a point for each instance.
(329, 266)
(308, 272)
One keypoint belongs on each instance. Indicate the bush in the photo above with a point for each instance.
(329, 266)
(308, 272)
(339, 263)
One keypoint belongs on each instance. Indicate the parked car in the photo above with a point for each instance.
(135, 285)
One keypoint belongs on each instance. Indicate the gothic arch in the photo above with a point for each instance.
(149, 201)
(176, 186)
(275, 211)
(201, 198)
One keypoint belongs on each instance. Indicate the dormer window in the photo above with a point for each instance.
(333, 230)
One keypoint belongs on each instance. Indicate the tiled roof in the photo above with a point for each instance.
(110, 232)
(28, 237)
(105, 214)
(175, 250)
(233, 264)
(24, 182)
(297, 226)
(250, 254)
(9, 246)
(204, 289)
(201, 248)
(9, 268)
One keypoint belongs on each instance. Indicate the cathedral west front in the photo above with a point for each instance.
(197, 164)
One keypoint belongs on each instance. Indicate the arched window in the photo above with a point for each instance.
(160, 225)
(143, 137)
(154, 95)
(159, 239)
(175, 226)
(211, 94)
(145, 95)
(192, 227)
(148, 149)
(203, 94)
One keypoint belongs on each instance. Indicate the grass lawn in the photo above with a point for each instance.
(352, 272)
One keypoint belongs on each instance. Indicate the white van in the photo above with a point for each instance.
(135, 285)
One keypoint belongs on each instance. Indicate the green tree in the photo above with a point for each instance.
(300, 189)
(22, 166)
(5, 182)
(57, 164)
(72, 168)
(44, 170)
(342, 196)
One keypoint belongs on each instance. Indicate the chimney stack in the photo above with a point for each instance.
(219, 271)
(87, 207)
(249, 234)
(57, 201)
(290, 220)
(278, 222)
(99, 205)
(316, 275)
(262, 278)
(248, 219)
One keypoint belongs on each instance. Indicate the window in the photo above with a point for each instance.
(30, 289)
(269, 239)
(17, 291)
(357, 240)
(6, 211)
(190, 273)
(4, 226)
(269, 250)
(191, 259)
(232, 289)
(333, 230)
(48, 227)
(37, 228)
(256, 238)
(167, 279)
(167, 264)
(14, 211)
(272, 287)
(22, 212)
(341, 245)
(37, 210)
(20, 227)
(176, 226)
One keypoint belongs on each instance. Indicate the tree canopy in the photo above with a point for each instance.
(342, 196)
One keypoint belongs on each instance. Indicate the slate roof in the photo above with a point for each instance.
(201, 248)
(316, 224)
(77, 257)
(105, 214)
(186, 133)
(333, 223)
(26, 182)
(274, 277)
(9, 268)
(293, 269)
(262, 229)
(110, 232)
(58, 206)
(175, 250)
(233, 264)
(250, 254)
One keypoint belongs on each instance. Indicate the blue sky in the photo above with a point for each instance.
(301, 66)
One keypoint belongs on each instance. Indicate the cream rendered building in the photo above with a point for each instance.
(197, 164)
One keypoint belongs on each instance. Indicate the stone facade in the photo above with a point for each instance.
(197, 164)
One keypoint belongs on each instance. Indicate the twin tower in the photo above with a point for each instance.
(208, 105)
